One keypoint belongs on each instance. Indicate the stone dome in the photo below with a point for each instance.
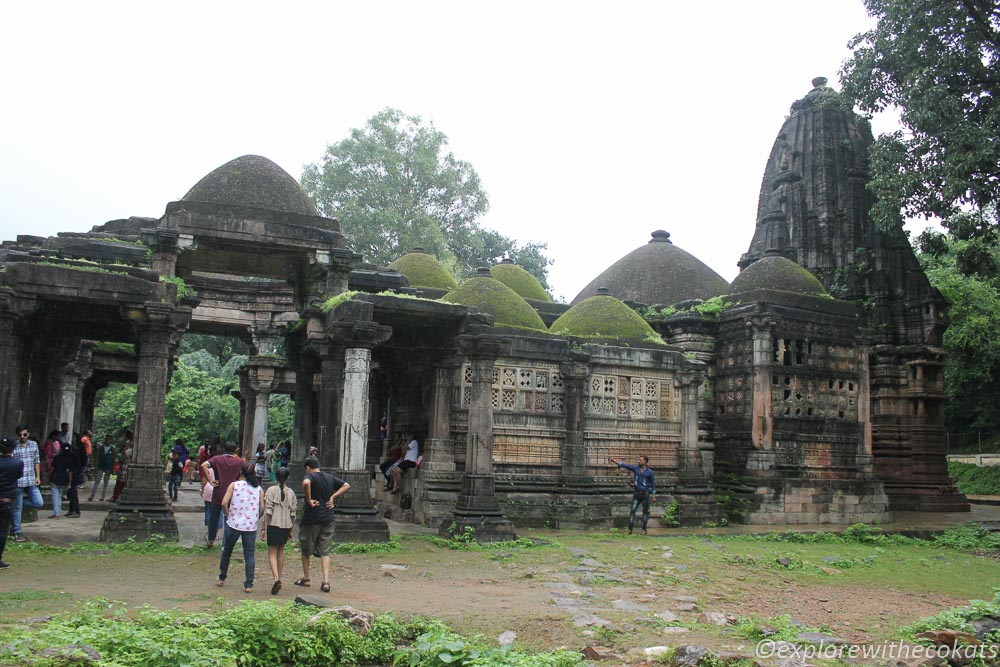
(491, 296)
(603, 316)
(255, 182)
(774, 272)
(657, 273)
(423, 269)
(518, 279)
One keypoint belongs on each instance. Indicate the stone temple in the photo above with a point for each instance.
(810, 391)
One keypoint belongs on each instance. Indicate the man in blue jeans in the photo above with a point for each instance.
(27, 451)
(644, 490)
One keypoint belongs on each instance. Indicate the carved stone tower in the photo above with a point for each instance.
(814, 208)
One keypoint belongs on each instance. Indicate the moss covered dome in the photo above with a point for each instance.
(604, 316)
(657, 273)
(518, 279)
(423, 269)
(774, 272)
(252, 181)
(491, 296)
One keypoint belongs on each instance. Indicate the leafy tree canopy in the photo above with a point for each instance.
(938, 63)
(967, 272)
(394, 186)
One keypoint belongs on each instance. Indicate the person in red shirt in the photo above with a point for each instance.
(226, 469)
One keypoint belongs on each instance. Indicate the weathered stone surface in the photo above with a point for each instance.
(359, 621)
(314, 601)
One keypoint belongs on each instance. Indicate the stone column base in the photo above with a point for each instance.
(477, 509)
(123, 524)
(357, 518)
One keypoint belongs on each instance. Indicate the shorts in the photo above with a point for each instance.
(278, 537)
(316, 538)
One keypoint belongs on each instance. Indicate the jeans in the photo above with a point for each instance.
(5, 518)
(57, 492)
(73, 494)
(639, 499)
(214, 521)
(106, 474)
(34, 500)
(229, 538)
(208, 515)
(174, 485)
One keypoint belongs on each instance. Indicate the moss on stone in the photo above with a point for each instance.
(775, 272)
(337, 299)
(491, 296)
(605, 317)
(254, 181)
(519, 280)
(424, 270)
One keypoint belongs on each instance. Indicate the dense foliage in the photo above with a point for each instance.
(394, 186)
(199, 405)
(938, 63)
(975, 480)
(965, 266)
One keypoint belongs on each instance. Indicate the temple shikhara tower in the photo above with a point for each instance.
(809, 390)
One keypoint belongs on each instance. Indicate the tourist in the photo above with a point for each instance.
(410, 456)
(393, 459)
(279, 517)
(81, 452)
(105, 466)
(207, 489)
(61, 481)
(124, 454)
(175, 470)
(285, 451)
(27, 451)
(644, 490)
(11, 470)
(49, 451)
(260, 461)
(244, 502)
(64, 437)
(269, 463)
(182, 451)
(316, 527)
(226, 468)
(86, 439)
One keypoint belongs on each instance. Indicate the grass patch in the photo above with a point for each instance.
(975, 480)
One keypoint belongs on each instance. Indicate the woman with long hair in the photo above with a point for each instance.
(243, 504)
(279, 517)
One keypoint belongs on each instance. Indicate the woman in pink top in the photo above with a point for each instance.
(243, 504)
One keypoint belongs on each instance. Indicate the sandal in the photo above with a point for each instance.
(220, 583)
(302, 582)
(276, 588)
(248, 590)
(325, 587)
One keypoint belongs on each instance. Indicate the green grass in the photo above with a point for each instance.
(975, 480)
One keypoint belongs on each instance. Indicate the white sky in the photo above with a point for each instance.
(590, 123)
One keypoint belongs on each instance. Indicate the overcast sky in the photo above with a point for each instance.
(590, 123)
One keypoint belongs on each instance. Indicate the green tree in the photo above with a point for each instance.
(967, 272)
(938, 63)
(394, 186)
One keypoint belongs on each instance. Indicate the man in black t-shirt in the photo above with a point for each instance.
(316, 527)
(11, 470)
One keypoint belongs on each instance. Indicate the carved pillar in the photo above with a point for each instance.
(163, 248)
(574, 453)
(439, 448)
(690, 455)
(11, 372)
(358, 520)
(866, 461)
(143, 509)
(247, 403)
(331, 381)
(696, 504)
(69, 383)
(261, 373)
(763, 361)
(477, 508)
(304, 412)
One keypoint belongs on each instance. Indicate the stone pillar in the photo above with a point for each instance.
(11, 371)
(262, 374)
(69, 383)
(574, 452)
(143, 509)
(866, 461)
(304, 413)
(247, 412)
(439, 447)
(163, 248)
(762, 429)
(357, 518)
(696, 504)
(477, 508)
(327, 423)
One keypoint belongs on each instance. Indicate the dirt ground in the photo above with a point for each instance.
(549, 595)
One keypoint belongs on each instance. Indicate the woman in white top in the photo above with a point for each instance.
(243, 504)
(279, 516)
